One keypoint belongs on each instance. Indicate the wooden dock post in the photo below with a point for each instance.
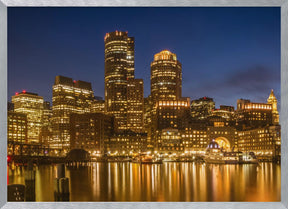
(30, 183)
(61, 185)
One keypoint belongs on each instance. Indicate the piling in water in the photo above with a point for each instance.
(30, 183)
(61, 185)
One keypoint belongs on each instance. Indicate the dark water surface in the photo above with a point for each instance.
(160, 182)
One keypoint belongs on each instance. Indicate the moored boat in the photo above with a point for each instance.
(216, 155)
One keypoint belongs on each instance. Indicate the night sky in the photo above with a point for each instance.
(226, 53)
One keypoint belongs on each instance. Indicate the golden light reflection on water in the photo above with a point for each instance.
(160, 182)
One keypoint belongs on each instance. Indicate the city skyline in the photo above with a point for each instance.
(158, 120)
(264, 73)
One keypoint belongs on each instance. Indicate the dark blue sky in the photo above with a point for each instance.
(226, 53)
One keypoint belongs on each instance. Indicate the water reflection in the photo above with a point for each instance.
(160, 182)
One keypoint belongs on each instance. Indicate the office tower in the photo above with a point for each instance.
(171, 114)
(169, 111)
(119, 82)
(273, 101)
(91, 131)
(32, 105)
(195, 140)
(224, 112)
(253, 115)
(17, 127)
(147, 115)
(126, 143)
(265, 142)
(135, 105)
(68, 97)
(130, 57)
(202, 108)
(166, 77)
(116, 76)
(46, 132)
(98, 106)
(168, 119)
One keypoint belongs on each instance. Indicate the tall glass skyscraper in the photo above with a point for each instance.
(166, 77)
(119, 69)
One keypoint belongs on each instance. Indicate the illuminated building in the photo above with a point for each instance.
(32, 105)
(202, 108)
(225, 136)
(227, 108)
(91, 131)
(166, 77)
(169, 141)
(68, 97)
(273, 101)
(252, 115)
(119, 68)
(167, 109)
(135, 105)
(264, 142)
(17, 127)
(226, 112)
(46, 131)
(171, 114)
(195, 140)
(148, 107)
(130, 57)
(126, 143)
(98, 106)
(147, 112)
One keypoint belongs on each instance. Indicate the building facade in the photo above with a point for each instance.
(166, 77)
(17, 127)
(46, 132)
(119, 67)
(91, 131)
(32, 105)
(97, 106)
(135, 105)
(126, 143)
(202, 108)
(252, 115)
(265, 142)
(68, 97)
(171, 114)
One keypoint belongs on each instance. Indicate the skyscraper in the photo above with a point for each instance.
(46, 132)
(32, 105)
(166, 77)
(169, 110)
(135, 105)
(68, 97)
(119, 68)
(202, 108)
(273, 101)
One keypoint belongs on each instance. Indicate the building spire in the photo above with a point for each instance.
(272, 95)
(273, 101)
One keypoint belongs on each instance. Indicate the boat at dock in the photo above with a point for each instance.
(147, 160)
(216, 155)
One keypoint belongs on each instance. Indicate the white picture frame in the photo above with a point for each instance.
(4, 4)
